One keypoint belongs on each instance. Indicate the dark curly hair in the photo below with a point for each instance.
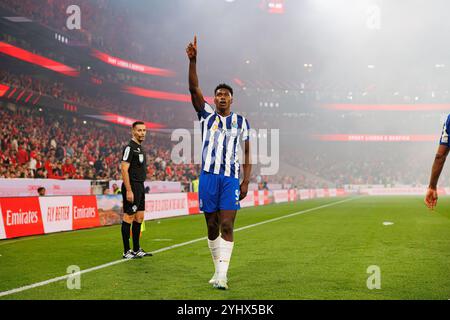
(223, 86)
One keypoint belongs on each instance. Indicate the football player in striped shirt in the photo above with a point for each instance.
(220, 190)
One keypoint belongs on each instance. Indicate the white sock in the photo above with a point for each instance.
(214, 248)
(225, 250)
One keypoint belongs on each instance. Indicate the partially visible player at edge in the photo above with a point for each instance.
(134, 173)
(219, 188)
(439, 160)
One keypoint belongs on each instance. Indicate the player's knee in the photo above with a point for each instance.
(227, 228)
(213, 225)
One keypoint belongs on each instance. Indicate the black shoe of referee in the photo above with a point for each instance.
(141, 253)
(130, 255)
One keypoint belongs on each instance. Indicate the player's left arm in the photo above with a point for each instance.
(438, 164)
(247, 170)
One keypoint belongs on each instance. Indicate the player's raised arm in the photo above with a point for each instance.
(438, 164)
(196, 94)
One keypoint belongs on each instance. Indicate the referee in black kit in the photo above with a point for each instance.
(134, 172)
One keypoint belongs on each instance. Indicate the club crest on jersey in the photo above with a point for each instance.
(141, 158)
(134, 208)
(234, 124)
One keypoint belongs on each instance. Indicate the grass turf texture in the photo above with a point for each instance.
(321, 254)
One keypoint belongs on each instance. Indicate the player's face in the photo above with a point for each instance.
(223, 99)
(139, 132)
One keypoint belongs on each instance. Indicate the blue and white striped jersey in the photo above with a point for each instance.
(221, 141)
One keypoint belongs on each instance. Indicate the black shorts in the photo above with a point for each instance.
(139, 198)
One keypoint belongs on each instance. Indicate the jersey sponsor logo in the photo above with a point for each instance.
(231, 133)
(126, 153)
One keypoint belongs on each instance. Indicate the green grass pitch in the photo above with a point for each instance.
(320, 254)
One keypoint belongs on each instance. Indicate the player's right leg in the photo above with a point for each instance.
(208, 193)
(212, 224)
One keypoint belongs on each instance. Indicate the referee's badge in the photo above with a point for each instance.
(134, 208)
(141, 158)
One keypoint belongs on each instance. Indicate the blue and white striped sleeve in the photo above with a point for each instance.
(445, 132)
(206, 112)
(245, 130)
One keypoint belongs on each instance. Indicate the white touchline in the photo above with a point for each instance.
(46, 282)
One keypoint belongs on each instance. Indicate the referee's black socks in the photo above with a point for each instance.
(136, 234)
(126, 236)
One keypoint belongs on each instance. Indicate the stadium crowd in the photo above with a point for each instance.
(45, 144)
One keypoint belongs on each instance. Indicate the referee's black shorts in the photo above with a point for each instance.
(139, 198)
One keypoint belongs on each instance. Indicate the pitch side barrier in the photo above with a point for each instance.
(56, 187)
(26, 216)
